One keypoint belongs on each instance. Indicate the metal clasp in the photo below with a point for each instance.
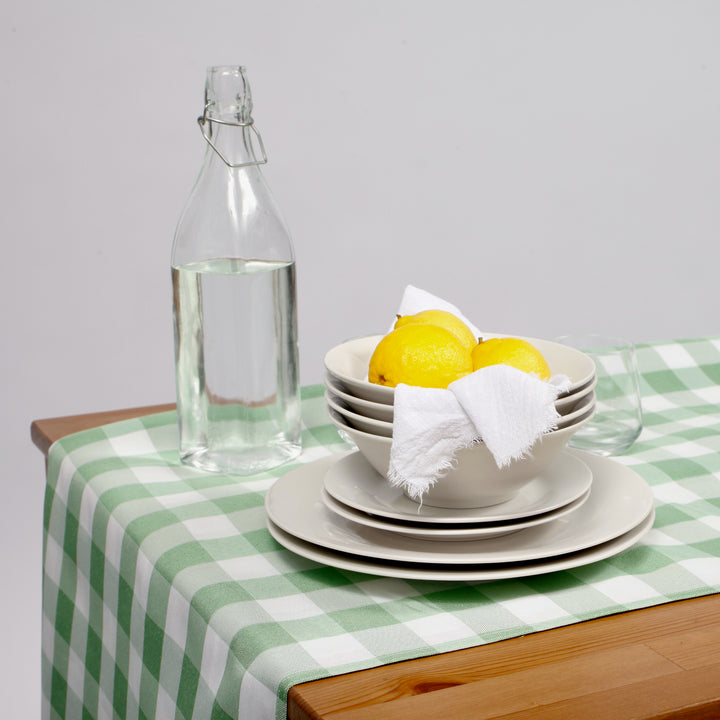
(202, 122)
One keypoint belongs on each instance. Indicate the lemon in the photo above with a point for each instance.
(517, 353)
(442, 319)
(424, 355)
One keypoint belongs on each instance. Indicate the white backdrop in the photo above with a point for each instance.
(549, 166)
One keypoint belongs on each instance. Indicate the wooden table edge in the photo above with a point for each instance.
(373, 692)
(49, 430)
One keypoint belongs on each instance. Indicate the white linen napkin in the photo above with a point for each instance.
(415, 300)
(429, 427)
(510, 409)
(503, 407)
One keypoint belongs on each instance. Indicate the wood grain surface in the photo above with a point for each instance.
(45, 432)
(658, 663)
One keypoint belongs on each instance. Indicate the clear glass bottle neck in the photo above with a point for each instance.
(235, 145)
(230, 213)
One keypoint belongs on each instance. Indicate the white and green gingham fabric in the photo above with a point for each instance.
(165, 596)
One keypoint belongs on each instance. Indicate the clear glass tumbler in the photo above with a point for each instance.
(617, 421)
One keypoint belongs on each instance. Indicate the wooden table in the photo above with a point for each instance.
(661, 662)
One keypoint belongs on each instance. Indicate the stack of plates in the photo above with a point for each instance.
(339, 511)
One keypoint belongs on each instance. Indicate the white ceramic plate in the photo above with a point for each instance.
(478, 573)
(354, 482)
(447, 532)
(619, 501)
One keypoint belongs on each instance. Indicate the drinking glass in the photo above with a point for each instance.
(617, 421)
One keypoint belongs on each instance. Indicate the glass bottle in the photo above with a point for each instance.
(233, 279)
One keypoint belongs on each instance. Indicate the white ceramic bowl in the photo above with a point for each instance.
(347, 364)
(379, 411)
(361, 422)
(577, 412)
(367, 408)
(475, 480)
(574, 412)
(570, 400)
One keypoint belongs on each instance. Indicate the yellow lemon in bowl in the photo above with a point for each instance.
(419, 354)
(515, 352)
(443, 319)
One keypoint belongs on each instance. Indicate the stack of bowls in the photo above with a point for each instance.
(363, 412)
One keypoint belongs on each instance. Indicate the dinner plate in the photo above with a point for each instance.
(423, 531)
(619, 500)
(354, 482)
(470, 573)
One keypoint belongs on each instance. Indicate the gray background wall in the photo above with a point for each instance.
(549, 166)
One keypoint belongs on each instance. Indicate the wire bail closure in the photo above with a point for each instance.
(202, 122)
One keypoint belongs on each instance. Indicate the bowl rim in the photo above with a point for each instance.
(582, 402)
(385, 395)
(339, 421)
(585, 403)
(382, 425)
(332, 385)
(566, 399)
(356, 403)
(584, 413)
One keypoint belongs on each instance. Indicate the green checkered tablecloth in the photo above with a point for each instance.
(165, 596)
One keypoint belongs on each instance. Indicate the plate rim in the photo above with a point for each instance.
(466, 532)
(489, 573)
(333, 533)
(449, 516)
